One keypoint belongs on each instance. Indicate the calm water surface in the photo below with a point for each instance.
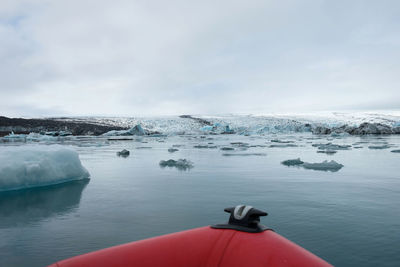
(349, 218)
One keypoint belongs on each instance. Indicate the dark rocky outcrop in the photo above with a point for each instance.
(362, 129)
(19, 125)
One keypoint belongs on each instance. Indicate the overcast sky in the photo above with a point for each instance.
(147, 57)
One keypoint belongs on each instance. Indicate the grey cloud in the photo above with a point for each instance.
(171, 57)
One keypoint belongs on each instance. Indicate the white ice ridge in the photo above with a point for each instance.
(38, 165)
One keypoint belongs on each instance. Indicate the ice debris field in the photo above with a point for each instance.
(40, 159)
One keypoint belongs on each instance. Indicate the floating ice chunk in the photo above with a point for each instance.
(119, 139)
(281, 141)
(332, 166)
(123, 153)
(33, 166)
(292, 162)
(330, 146)
(227, 148)
(15, 137)
(328, 152)
(384, 146)
(283, 145)
(240, 144)
(243, 154)
(204, 146)
(180, 164)
(257, 146)
(396, 151)
(172, 150)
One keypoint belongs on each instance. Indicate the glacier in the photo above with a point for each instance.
(335, 124)
(38, 165)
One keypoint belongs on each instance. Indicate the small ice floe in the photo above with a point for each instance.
(331, 166)
(283, 145)
(34, 166)
(204, 146)
(395, 151)
(384, 146)
(227, 148)
(292, 162)
(172, 150)
(328, 152)
(240, 144)
(330, 146)
(15, 137)
(123, 153)
(281, 141)
(243, 154)
(180, 164)
(119, 139)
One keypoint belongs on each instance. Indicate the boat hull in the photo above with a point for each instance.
(203, 246)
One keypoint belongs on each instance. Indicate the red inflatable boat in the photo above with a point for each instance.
(243, 241)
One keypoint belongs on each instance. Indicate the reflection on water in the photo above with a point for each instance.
(23, 207)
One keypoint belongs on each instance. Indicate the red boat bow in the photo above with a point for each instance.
(205, 246)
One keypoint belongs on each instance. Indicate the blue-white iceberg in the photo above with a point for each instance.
(33, 166)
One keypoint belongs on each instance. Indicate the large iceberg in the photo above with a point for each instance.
(33, 166)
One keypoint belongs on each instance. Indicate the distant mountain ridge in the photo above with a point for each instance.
(25, 126)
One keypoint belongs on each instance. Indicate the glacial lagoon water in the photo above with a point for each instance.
(349, 217)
